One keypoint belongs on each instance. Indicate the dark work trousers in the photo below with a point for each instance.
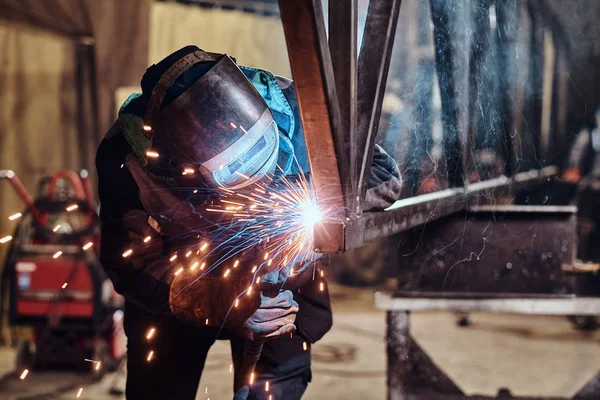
(179, 354)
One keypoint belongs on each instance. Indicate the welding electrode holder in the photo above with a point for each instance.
(252, 351)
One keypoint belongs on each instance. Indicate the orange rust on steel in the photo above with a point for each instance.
(309, 58)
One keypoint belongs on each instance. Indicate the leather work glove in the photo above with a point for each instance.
(228, 302)
(385, 182)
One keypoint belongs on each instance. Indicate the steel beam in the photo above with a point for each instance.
(506, 37)
(312, 70)
(373, 66)
(444, 62)
(414, 211)
(343, 21)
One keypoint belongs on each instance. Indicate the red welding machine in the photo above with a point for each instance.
(55, 283)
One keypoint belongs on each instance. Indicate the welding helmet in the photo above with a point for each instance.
(218, 133)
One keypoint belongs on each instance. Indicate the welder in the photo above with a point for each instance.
(203, 123)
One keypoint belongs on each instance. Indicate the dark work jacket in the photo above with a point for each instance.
(147, 292)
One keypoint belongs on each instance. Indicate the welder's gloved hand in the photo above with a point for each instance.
(274, 317)
(211, 300)
(176, 218)
(385, 182)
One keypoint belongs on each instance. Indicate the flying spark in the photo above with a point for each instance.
(88, 245)
(15, 216)
(57, 254)
(150, 355)
(150, 333)
(180, 270)
(6, 239)
(152, 154)
(79, 392)
(56, 228)
(24, 374)
(64, 285)
(72, 207)
(127, 253)
(147, 239)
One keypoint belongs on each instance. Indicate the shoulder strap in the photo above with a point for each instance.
(167, 79)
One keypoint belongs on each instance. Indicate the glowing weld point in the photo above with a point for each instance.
(6, 239)
(150, 333)
(321, 286)
(56, 228)
(147, 128)
(236, 263)
(88, 245)
(194, 266)
(266, 386)
(150, 355)
(252, 378)
(79, 392)
(24, 374)
(254, 269)
(237, 301)
(127, 253)
(189, 253)
(225, 274)
(147, 239)
(304, 346)
(230, 368)
(242, 175)
(15, 216)
(232, 125)
(72, 207)
(152, 154)
(173, 257)
(64, 285)
(178, 271)
(57, 254)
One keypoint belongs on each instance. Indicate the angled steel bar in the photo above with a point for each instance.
(479, 47)
(444, 61)
(506, 36)
(343, 22)
(310, 62)
(373, 66)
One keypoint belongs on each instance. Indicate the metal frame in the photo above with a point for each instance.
(340, 94)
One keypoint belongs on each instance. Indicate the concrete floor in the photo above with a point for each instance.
(529, 355)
